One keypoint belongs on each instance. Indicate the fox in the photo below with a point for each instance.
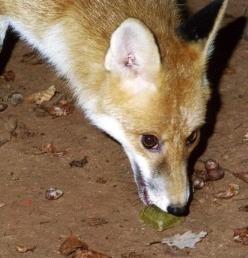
(138, 70)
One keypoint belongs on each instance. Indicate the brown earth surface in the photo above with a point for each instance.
(100, 204)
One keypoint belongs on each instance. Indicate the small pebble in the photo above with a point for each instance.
(197, 183)
(15, 99)
(211, 164)
(2, 204)
(24, 249)
(215, 174)
(3, 107)
(53, 194)
(10, 124)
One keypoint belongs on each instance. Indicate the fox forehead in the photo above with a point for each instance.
(175, 98)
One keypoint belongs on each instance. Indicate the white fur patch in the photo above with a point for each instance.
(138, 85)
(3, 28)
(110, 125)
(51, 45)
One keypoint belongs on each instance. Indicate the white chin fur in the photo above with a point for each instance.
(143, 174)
(139, 164)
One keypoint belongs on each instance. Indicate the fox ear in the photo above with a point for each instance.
(132, 51)
(203, 25)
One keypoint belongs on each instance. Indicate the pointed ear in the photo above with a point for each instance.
(132, 51)
(203, 25)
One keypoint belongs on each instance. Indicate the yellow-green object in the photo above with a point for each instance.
(158, 219)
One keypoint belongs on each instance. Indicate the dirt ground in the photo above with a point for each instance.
(100, 204)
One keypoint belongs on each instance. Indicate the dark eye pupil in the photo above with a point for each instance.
(149, 141)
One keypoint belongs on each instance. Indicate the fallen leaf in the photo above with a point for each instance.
(24, 249)
(79, 163)
(101, 180)
(63, 108)
(2, 204)
(94, 222)
(39, 97)
(23, 132)
(8, 76)
(243, 176)
(71, 244)
(158, 219)
(51, 150)
(243, 208)
(41, 111)
(230, 70)
(232, 191)
(89, 254)
(188, 239)
(241, 235)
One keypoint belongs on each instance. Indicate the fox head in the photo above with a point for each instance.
(155, 101)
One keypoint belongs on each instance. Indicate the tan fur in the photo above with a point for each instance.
(172, 111)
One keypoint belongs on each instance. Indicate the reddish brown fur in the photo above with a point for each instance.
(172, 112)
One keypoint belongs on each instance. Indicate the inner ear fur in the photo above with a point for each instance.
(132, 50)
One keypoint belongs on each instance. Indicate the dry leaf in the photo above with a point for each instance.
(79, 163)
(230, 70)
(71, 244)
(188, 239)
(232, 191)
(243, 176)
(63, 108)
(101, 180)
(39, 97)
(24, 249)
(80, 249)
(243, 208)
(88, 254)
(94, 222)
(241, 235)
(50, 149)
(8, 76)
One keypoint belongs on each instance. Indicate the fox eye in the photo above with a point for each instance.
(150, 141)
(192, 138)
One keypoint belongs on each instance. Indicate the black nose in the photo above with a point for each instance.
(177, 211)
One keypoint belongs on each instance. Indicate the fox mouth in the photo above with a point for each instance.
(142, 186)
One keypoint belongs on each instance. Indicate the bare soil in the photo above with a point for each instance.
(100, 204)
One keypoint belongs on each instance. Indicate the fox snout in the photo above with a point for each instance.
(164, 186)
